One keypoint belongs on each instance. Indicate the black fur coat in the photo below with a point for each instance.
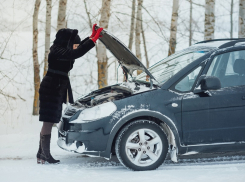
(53, 88)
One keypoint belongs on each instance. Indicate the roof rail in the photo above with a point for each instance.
(213, 40)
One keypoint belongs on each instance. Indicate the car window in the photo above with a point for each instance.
(187, 82)
(227, 67)
(168, 67)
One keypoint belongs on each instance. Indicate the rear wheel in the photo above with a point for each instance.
(141, 145)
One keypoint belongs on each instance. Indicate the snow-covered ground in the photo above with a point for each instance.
(18, 163)
(19, 134)
(76, 169)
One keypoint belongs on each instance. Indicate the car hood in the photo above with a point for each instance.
(124, 56)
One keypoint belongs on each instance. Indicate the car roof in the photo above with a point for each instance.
(219, 43)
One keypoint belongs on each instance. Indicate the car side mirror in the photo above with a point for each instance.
(208, 83)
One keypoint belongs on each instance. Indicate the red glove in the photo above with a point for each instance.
(93, 31)
(97, 35)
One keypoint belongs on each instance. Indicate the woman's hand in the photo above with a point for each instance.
(93, 31)
(97, 35)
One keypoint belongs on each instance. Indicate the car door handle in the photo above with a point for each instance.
(243, 97)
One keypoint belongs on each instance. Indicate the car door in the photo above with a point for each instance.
(220, 116)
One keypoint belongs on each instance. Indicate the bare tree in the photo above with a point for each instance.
(88, 14)
(241, 25)
(138, 31)
(144, 43)
(101, 50)
(173, 29)
(200, 5)
(231, 17)
(89, 19)
(209, 19)
(190, 24)
(47, 34)
(35, 58)
(132, 26)
(61, 21)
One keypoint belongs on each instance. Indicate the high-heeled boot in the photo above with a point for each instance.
(39, 151)
(45, 156)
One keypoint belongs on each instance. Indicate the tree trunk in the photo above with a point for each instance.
(144, 43)
(35, 59)
(61, 21)
(231, 17)
(241, 25)
(190, 24)
(132, 26)
(101, 50)
(138, 31)
(88, 14)
(47, 34)
(209, 20)
(173, 29)
(89, 19)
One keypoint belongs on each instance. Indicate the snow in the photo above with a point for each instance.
(191, 95)
(70, 147)
(88, 169)
(18, 163)
(240, 44)
(190, 153)
(19, 134)
(131, 86)
(19, 139)
(210, 44)
(181, 94)
(127, 110)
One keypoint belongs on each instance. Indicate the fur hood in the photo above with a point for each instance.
(65, 37)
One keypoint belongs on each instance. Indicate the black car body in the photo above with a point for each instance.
(199, 104)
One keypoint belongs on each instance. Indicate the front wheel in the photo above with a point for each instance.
(141, 145)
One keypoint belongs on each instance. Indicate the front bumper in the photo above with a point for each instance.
(90, 142)
(73, 147)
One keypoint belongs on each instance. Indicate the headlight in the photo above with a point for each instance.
(96, 112)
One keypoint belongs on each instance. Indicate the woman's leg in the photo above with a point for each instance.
(47, 128)
(45, 144)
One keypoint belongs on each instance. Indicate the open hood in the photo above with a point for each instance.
(124, 56)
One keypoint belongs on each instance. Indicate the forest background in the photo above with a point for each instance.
(152, 29)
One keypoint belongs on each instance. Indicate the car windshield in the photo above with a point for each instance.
(166, 68)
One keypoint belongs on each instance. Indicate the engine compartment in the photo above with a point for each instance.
(111, 93)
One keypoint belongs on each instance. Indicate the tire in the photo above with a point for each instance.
(135, 152)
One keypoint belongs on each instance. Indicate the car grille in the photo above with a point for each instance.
(67, 115)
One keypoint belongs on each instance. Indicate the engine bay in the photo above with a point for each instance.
(111, 93)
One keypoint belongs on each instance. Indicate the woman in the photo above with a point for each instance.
(53, 89)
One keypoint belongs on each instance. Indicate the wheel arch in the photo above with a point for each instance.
(165, 122)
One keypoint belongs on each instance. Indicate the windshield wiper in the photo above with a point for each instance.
(145, 82)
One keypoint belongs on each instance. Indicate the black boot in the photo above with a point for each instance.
(45, 146)
(39, 151)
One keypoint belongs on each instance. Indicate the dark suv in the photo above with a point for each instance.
(190, 102)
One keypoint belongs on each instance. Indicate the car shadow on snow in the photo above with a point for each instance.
(202, 159)
(88, 161)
